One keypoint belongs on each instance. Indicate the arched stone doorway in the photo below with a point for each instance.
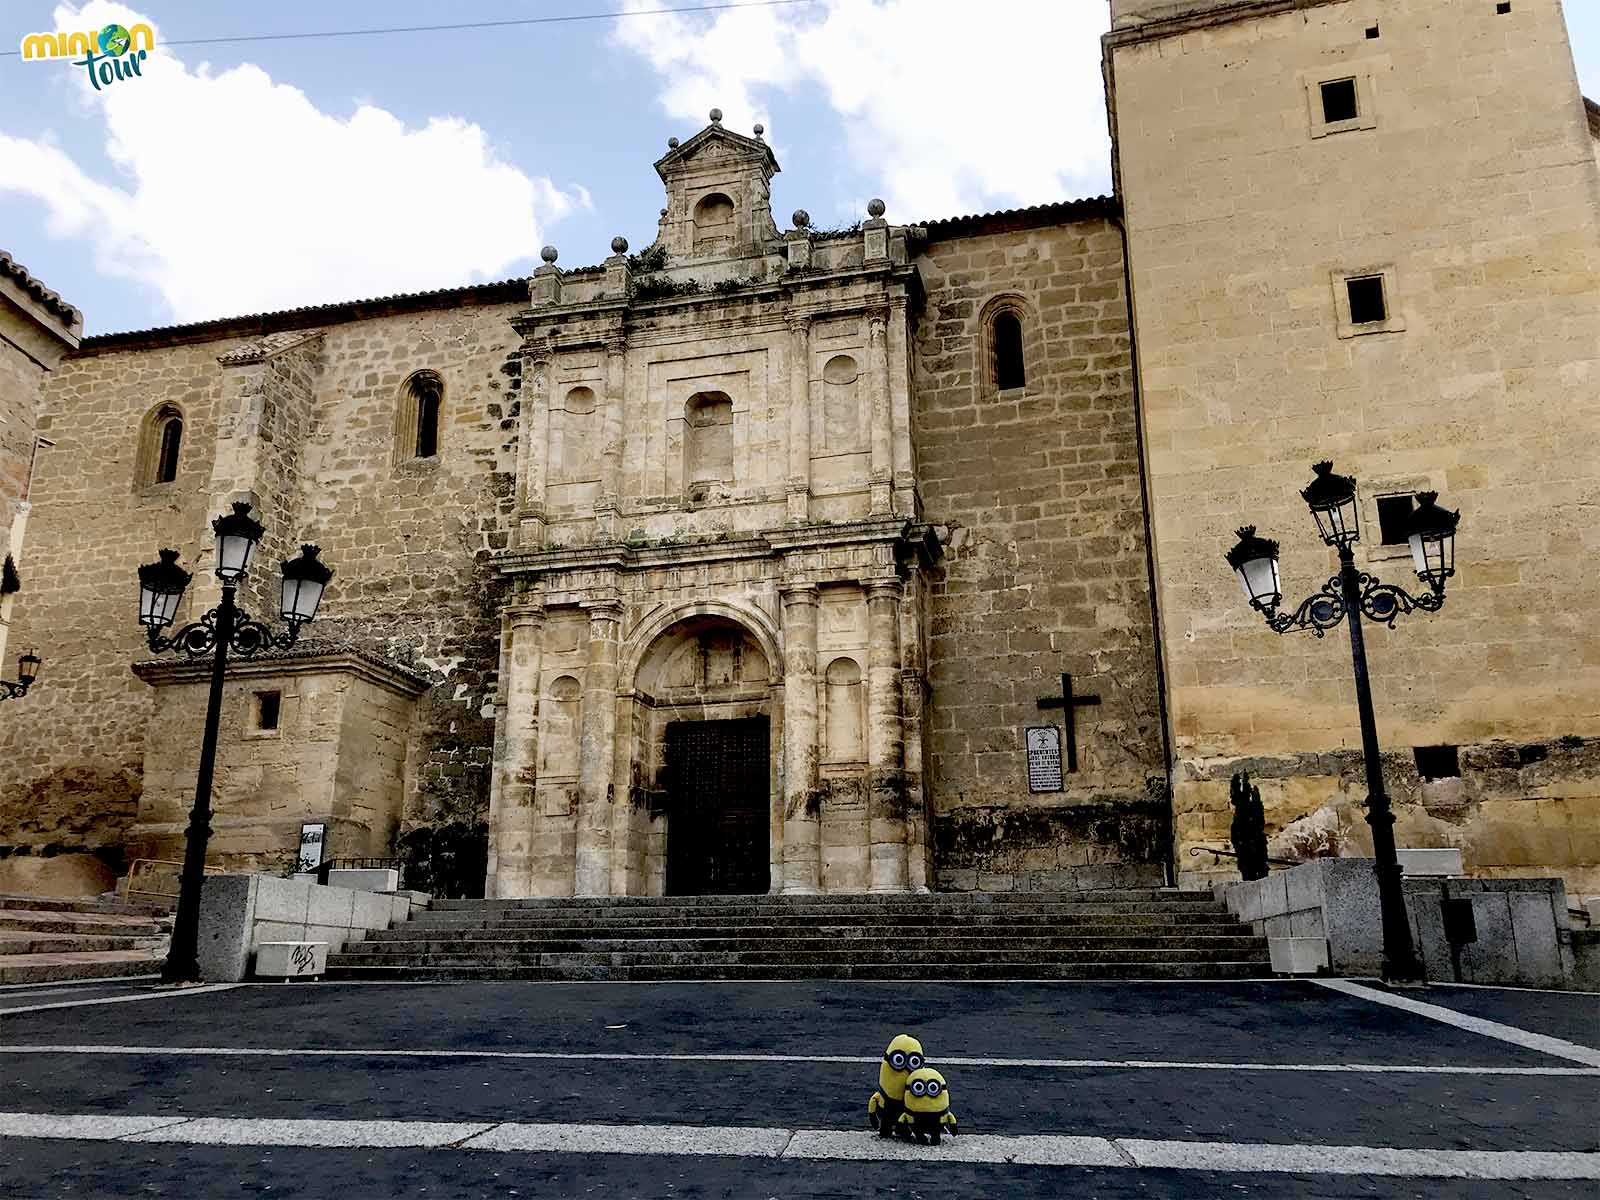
(706, 759)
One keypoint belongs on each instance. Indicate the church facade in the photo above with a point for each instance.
(760, 559)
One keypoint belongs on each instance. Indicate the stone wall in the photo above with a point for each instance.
(1044, 569)
(1245, 214)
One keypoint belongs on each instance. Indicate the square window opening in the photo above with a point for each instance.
(1503, 7)
(1394, 519)
(1372, 32)
(1437, 762)
(1367, 304)
(269, 706)
(1339, 101)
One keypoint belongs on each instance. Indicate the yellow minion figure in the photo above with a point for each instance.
(887, 1105)
(927, 1106)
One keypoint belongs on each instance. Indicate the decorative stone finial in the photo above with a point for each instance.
(875, 208)
(801, 218)
(549, 255)
(672, 143)
(663, 212)
(716, 116)
(619, 245)
(760, 129)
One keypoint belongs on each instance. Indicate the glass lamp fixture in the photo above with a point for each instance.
(1433, 540)
(1332, 500)
(304, 579)
(1255, 561)
(237, 535)
(161, 587)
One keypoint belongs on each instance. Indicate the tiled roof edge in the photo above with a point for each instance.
(50, 301)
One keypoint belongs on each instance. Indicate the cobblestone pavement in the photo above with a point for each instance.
(505, 1090)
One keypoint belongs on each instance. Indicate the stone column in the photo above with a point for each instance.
(882, 475)
(799, 418)
(610, 499)
(514, 815)
(592, 865)
(898, 381)
(886, 798)
(913, 693)
(533, 447)
(802, 816)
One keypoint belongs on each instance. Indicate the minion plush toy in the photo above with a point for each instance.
(887, 1105)
(927, 1106)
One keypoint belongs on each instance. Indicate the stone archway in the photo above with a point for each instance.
(705, 754)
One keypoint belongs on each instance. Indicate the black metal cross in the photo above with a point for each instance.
(1068, 702)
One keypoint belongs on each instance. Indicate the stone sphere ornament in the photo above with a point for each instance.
(875, 208)
(672, 143)
(716, 116)
(619, 245)
(801, 218)
(549, 255)
(760, 129)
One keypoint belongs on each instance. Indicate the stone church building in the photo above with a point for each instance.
(743, 562)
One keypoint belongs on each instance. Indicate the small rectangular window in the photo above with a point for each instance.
(1437, 762)
(1394, 519)
(1503, 7)
(1367, 305)
(1339, 101)
(268, 707)
(1372, 32)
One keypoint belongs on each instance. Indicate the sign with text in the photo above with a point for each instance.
(1044, 759)
(311, 840)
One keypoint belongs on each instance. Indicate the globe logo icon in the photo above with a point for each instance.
(114, 40)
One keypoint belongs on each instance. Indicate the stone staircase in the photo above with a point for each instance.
(1133, 934)
(49, 940)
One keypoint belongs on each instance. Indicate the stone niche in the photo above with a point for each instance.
(318, 736)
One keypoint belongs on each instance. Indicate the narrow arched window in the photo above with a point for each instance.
(425, 394)
(171, 443)
(1007, 336)
(419, 413)
(160, 446)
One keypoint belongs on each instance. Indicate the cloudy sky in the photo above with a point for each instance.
(234, 177)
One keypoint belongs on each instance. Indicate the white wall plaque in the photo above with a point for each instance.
(1044, 759)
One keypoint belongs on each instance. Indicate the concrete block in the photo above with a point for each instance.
(329, 906)
(1278, 926)
(1492, 958)
(1297, 955)
(1308, 923)
(1244, 899)
(1275, 894)
(399, 910)
(369, 910)
(227, 918)
(1304, 884)
(335, 935)
(281, 899)
(1537, 948)
(1425, 907)
(1592, 907)
(284, 960)
(1442, 861)
(1351, 916)
(278, 931)
(383, 880)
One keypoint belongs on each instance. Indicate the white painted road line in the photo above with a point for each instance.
(1053, 1064)
(1449, 1016)
(168, 994)
(814, 1144)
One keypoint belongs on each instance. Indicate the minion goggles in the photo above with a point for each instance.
(931, 1087)
(901, 1061)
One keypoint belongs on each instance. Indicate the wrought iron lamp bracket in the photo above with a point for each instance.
(248, 637)
(1380, 602)
(11, 690)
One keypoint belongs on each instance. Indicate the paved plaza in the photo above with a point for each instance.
(1287, 1088)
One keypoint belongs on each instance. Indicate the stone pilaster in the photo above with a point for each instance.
(596, 761)
(533, 445)
(607, 506)
(882, 475)
(897, 366)
(799, 418)
(886, 796)
(913, 694)
(802, 818)
(511, 822)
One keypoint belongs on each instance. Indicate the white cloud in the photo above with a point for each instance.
(954, 106)
(238, 194)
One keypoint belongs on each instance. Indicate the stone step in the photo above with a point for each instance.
(98, 964)
(13, 920)
(80, 905)
(69, 943)
(1154, 970)
(977, 899)
(770, 926)
(838, 912)
(909, 960)
(401, 940)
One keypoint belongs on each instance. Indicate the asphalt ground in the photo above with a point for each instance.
(1252, 1065)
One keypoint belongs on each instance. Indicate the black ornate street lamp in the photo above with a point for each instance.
(27, 672)
(1353, 593)
(225, 628)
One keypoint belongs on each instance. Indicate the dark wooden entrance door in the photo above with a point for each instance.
(718, 816)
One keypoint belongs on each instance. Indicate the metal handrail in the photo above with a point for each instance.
(149, 864)
(1271, 862)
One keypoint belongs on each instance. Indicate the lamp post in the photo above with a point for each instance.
(27, 672)
(225, 628)
(1357, 595)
